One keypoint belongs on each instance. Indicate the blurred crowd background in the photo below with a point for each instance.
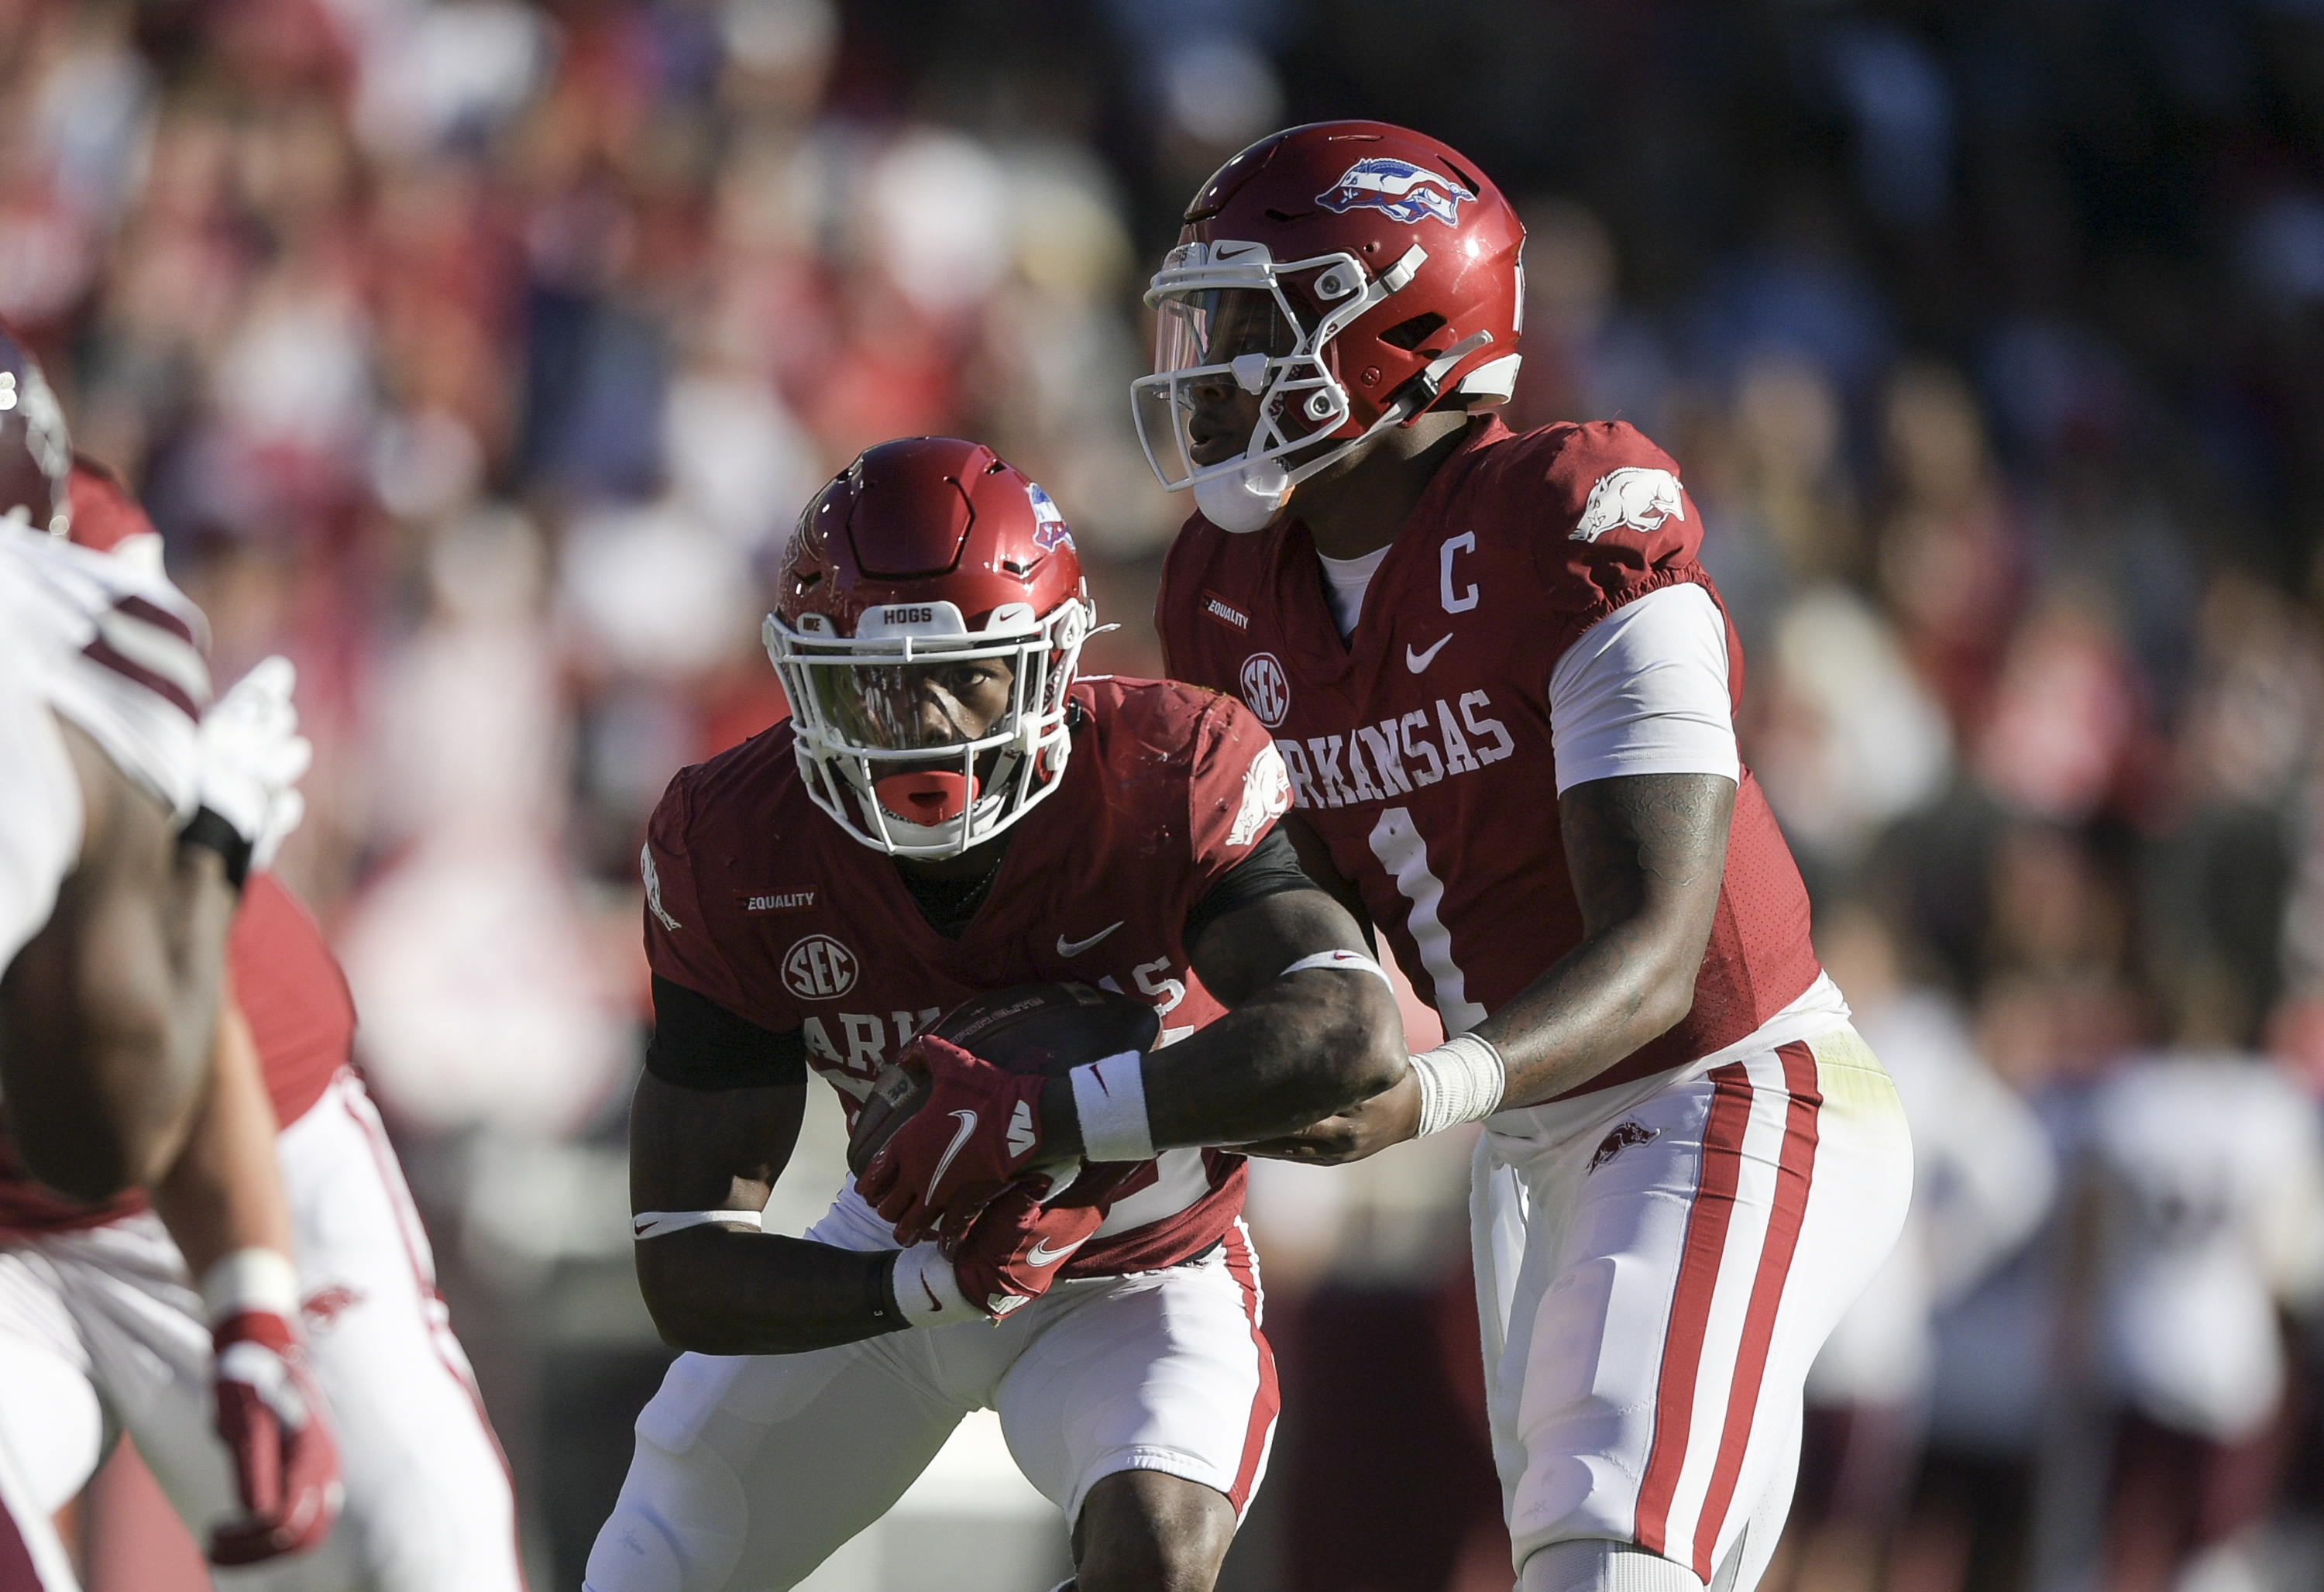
(478, 354)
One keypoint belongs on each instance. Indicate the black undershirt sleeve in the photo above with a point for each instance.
(698, 1043)
(1271, 869)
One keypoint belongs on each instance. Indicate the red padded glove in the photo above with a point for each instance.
(1015, 1247)
(979, 1128)
(270, 1413)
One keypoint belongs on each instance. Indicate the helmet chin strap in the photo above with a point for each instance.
(1245, 499)
(1249, 497)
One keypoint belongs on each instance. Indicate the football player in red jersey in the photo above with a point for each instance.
(1504, 688)
(950, 811)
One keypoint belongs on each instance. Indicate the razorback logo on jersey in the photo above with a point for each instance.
(1398, 188)
(653, 889)
(1635, 495)
(1266, 796)
(1392, 758)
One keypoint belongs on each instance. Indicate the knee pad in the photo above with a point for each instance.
(1594, 1564)
(632, 1554)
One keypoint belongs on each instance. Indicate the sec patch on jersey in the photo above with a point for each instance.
(1047, 1028)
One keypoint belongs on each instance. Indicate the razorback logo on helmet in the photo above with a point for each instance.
(819, 967)
(1398, 187)
(1266, 687)
(1266, 796)
(1636, 495)
(1049, 532)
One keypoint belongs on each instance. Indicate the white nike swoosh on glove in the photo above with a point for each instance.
(967, 1126)
(1040, 1253)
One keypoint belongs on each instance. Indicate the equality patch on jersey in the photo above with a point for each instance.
(1224, 612)
(1049, 532)
(1397, 187)
(1266, 796)
(1635, 495)
(762, 901)
(819, 967)
(1266, 687)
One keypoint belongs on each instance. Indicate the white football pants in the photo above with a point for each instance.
(753, 1469)
(102, 1325)
(1656, 1267)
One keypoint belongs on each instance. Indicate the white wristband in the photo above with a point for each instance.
(249, 1280)
(1461, 1081)
(1109, 1099)
(1354, 961)
(655, 1224)
(926, 1291)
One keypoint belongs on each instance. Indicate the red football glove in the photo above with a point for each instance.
(286, 1468)
(979, 1128)
(1015, 1247)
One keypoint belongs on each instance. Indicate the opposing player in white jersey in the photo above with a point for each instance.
(124, 822)
(1504, 688)
(286, 1219)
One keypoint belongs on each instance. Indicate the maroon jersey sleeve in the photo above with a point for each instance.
(686, 908)
(1614, 520)
(1236, 788)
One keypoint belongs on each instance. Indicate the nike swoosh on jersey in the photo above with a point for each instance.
(967, 1126)
(1075, 947)
(1040, 1253)
(1417, 661)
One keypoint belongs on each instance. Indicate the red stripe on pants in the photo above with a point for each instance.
(1265, 1407)
(1698, 1277)
(1794, 1171)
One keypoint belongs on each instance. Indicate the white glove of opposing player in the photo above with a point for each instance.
(252, 757)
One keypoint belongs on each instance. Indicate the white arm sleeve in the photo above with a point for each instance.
(1644, 691)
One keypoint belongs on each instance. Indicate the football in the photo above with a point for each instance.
(1048, 1029)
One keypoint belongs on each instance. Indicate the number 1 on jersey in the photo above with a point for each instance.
(1401, 851)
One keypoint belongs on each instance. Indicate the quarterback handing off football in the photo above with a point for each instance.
(1045, 1028)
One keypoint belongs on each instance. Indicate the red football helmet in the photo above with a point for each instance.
(923, 557)
(1352, 275)
(35, 450)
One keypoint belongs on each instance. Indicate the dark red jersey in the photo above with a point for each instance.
(758, 901)
(1419, 749)
(289, 985)
(302, 1024)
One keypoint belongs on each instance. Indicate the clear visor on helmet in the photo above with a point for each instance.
(925, 744)
(1238, 367)
(912, 707)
